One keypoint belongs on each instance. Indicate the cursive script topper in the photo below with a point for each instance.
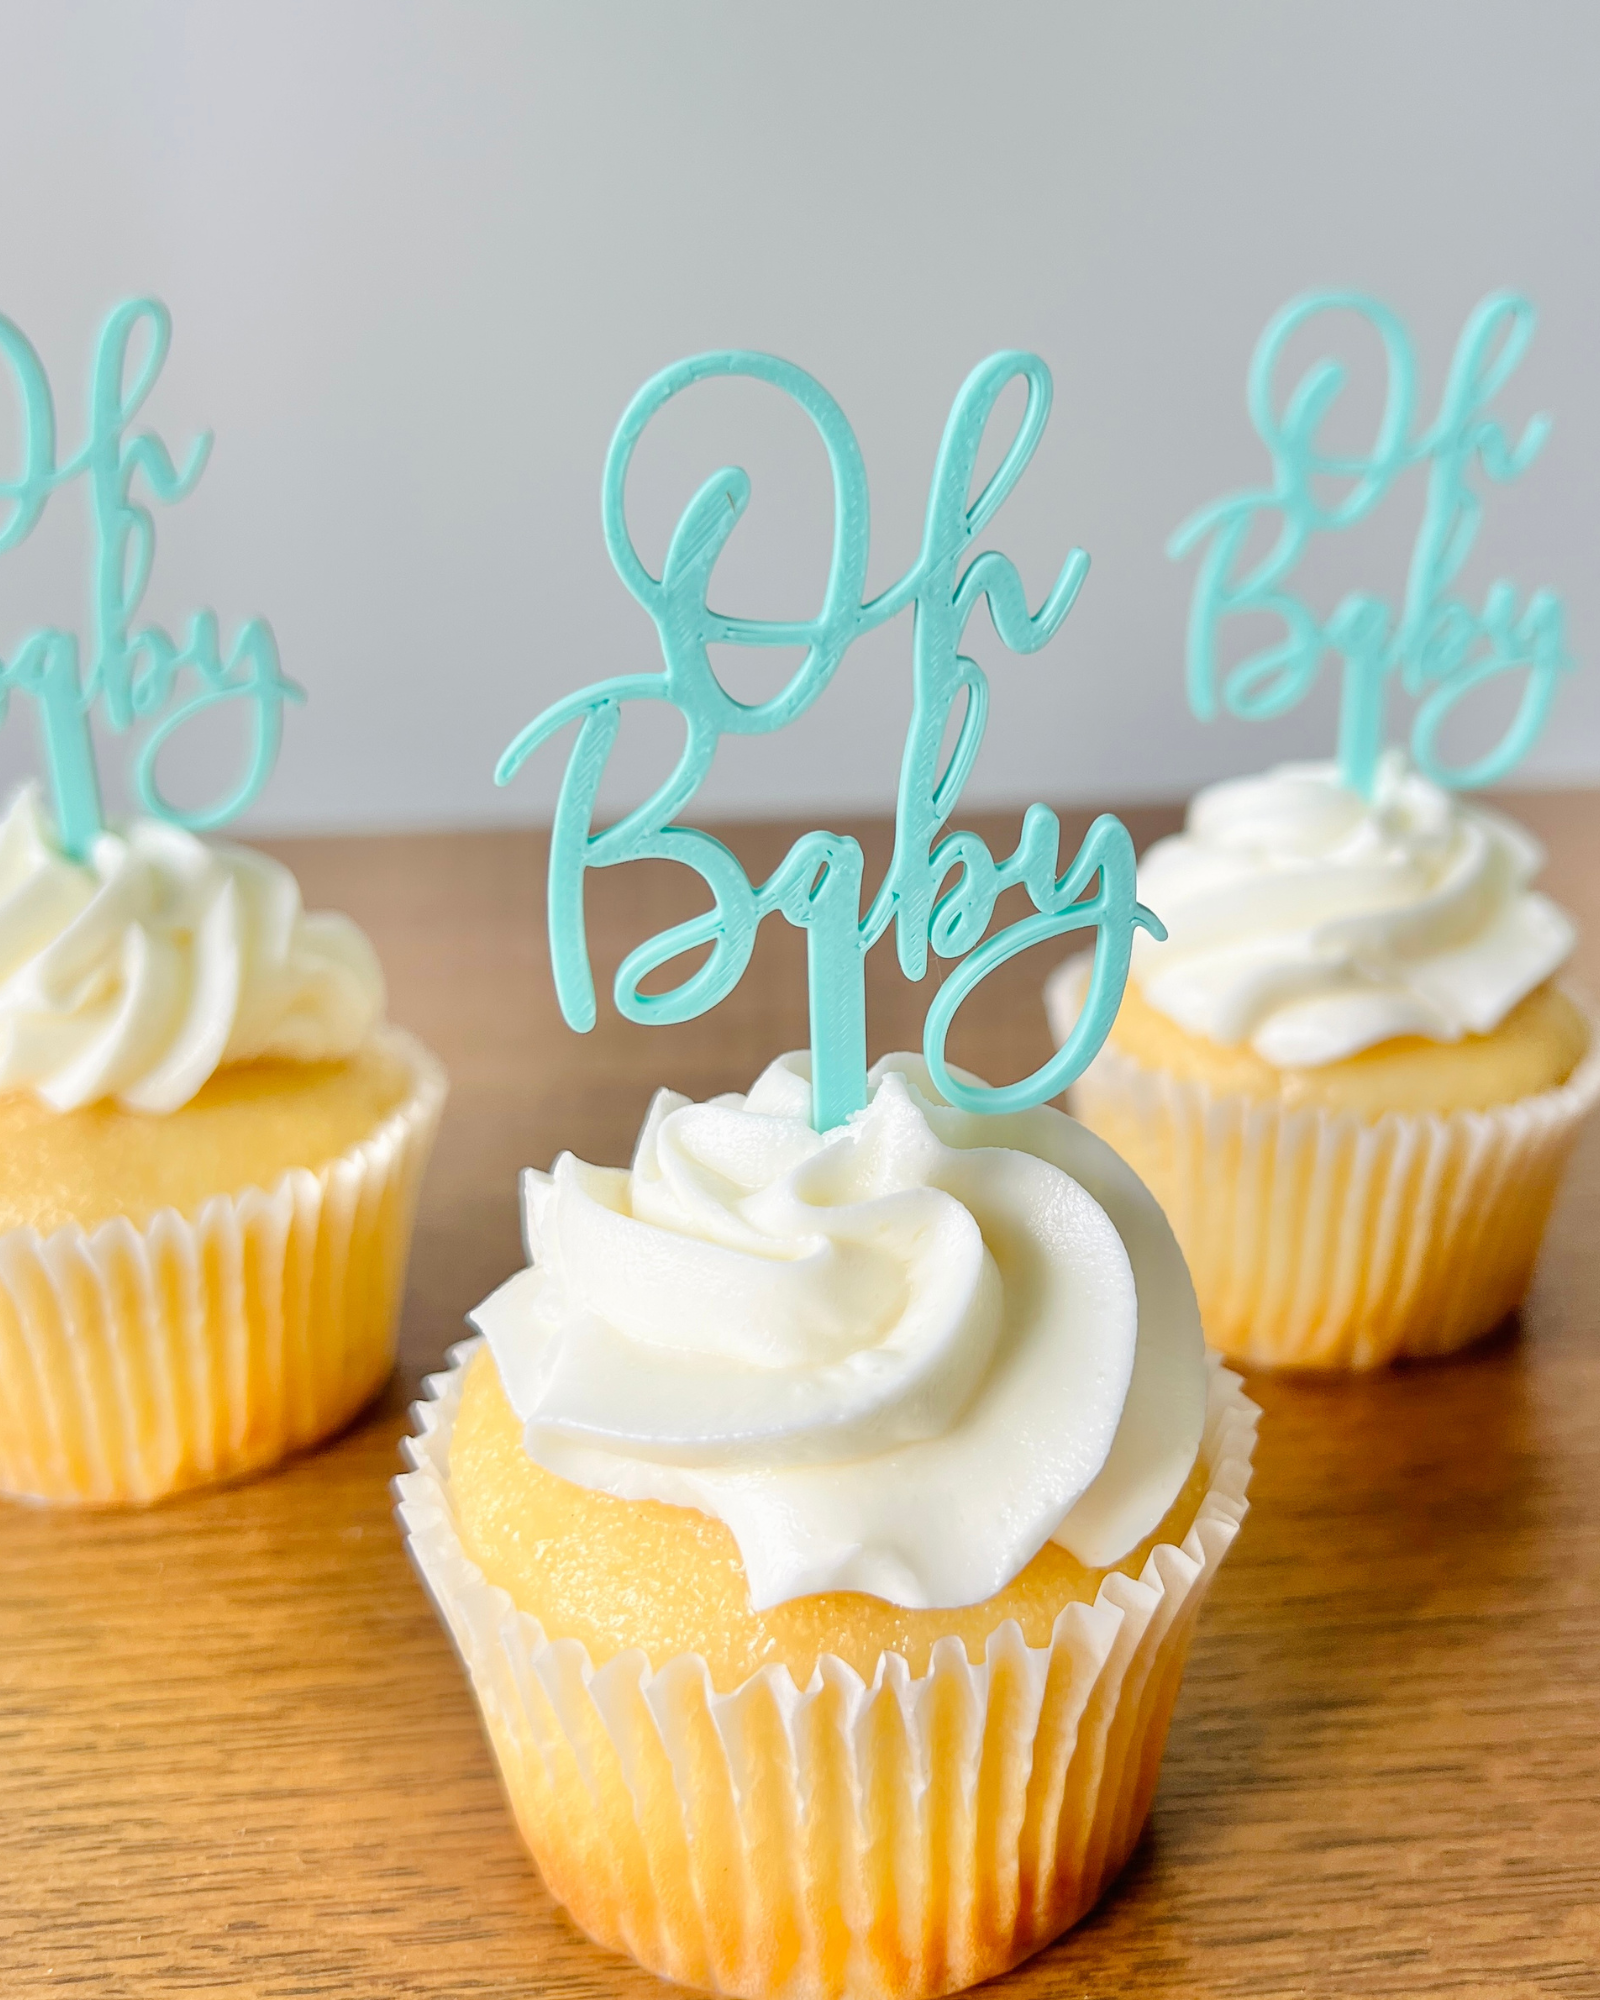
(135, 670)
(939, 893)
(1439, 647)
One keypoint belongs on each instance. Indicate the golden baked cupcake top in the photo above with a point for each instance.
(140, 971)
(1309, 923)
(173, 1024)
(898, 1358)
(1362, 955)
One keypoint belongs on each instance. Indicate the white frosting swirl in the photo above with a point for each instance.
(1312, 923)
(897, 1357)
(137, 974)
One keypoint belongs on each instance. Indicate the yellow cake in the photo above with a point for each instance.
(1534, 1049)
(822, 1524)
(1351, 1077)
(619, 1573)
(247, 1126)
(210, 1145)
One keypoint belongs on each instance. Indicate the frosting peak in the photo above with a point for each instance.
(896, 1357)
(137, 974)
(1313, 923)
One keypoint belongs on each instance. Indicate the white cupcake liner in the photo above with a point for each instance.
(906, 1837)
(135, 1362)
(1320, 1239)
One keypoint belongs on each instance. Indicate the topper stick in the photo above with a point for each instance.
(69, 752)
(136, 670)
(836, 977)
(1438, 647)
(938, 893)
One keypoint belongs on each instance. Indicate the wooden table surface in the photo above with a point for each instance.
(237, 1755)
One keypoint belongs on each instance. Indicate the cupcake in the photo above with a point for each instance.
(822, 1521)
(210, 1146)
(1352, 1075)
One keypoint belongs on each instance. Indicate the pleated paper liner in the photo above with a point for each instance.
(904, 1838)
(136, 1362)
(1319, 1239)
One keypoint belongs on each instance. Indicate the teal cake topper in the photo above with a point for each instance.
(1438, 647)
(136, 671)
(939, 893)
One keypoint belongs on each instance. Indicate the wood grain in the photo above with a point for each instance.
(238, 1757)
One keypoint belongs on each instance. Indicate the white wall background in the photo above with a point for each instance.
(420, 255)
